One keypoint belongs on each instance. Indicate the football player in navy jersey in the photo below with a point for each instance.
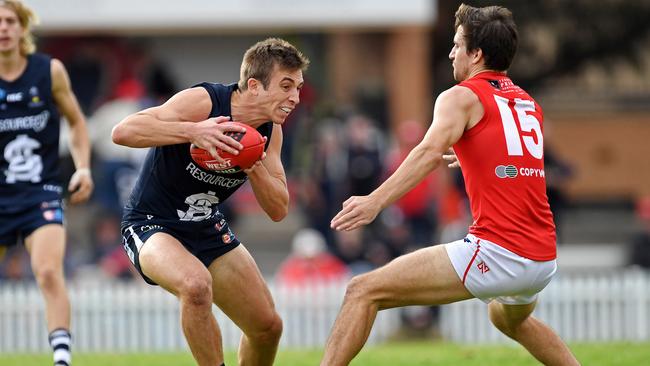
(172, 228)
(34, 90)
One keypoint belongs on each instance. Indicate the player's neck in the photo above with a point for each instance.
(244, 109)
(12, 65)
(479, 70)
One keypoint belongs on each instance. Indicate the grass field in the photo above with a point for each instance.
(417, 353)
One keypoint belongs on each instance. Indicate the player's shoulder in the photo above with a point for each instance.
(458, 95)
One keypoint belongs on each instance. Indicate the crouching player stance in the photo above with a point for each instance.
(172, 228)
(508, 256)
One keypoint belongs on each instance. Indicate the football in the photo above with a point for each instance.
(252, 151)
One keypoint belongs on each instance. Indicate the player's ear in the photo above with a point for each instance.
(477, 54)
(254, 85)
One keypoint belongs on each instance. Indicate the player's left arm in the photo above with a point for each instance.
(450, 118)
(81, 183)
(269, 181)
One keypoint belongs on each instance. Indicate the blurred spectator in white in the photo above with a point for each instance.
(310, 262)
(118, 165)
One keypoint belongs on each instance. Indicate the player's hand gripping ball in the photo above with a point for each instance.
(252, 151)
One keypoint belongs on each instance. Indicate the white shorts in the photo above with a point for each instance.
(491, 272)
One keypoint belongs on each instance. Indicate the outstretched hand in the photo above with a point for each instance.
(357, 211)
(451, 158)
(211, 135)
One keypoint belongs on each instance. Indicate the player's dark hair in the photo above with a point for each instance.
(260, 60)
(493, 30)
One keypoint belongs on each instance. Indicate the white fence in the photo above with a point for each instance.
(594, 307)
(108, 317)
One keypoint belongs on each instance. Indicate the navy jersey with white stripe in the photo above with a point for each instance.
(171, 187)
(29, 138)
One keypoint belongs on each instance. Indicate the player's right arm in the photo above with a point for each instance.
(183, 118)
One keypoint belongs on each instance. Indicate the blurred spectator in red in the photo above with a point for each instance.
(309, 262)
(108, 247)
(14, 264)
(640, 250)
(418, 206)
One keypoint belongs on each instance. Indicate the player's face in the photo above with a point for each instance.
(10, 30)
(282, 94)
(459, 57)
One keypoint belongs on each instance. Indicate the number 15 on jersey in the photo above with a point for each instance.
(528, 122)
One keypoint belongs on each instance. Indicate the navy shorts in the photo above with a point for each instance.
(205, 242)
(20, 224)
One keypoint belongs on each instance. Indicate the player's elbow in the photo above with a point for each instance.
(278, 214)
(120, 135)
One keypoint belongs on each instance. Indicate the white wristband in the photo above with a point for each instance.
(82, 171)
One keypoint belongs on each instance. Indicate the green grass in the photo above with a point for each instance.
(412, 354)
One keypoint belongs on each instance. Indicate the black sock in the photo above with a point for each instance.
(60, 342)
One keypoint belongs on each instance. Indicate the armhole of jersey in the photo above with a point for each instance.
(480, 125)
(213, 97)
(270, 133)
(35, 59)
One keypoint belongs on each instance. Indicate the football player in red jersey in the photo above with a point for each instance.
(509, 254)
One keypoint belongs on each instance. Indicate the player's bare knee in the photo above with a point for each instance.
(509, 326)
(48, 277)
(197, 292)
(498, 320)
(357, 288)
(269, 331)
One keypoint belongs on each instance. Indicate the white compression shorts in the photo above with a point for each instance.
(491, 272)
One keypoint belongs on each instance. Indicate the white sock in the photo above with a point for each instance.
(60, 342)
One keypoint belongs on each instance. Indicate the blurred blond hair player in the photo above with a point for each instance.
(34, 91)
(509, 254)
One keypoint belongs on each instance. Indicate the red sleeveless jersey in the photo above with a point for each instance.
(503, 167)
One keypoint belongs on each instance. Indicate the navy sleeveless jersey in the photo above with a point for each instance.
(29, 138)
(172, 188)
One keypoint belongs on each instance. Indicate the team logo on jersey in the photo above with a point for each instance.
(200, 207)
(15, 97)
(228, 237)
(482, 267)
(51, 215)
(495, 84)
(506, 171)
(25, 165)
(146, 228)
(34, 98)
(220, 225)
(50, 204)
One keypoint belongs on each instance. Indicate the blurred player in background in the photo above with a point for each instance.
(508, 256)
(34, 89)
(172, 228)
